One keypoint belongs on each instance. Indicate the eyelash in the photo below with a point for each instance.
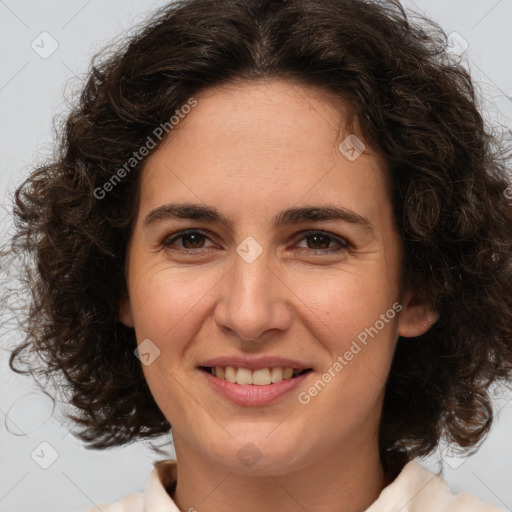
(344, 245)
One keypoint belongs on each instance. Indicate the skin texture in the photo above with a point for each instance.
(250, 151)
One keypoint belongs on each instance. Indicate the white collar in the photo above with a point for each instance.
(415, 489)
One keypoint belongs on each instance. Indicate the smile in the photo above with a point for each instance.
(258, 377)
(254, 387)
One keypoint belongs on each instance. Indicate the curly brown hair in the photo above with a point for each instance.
(414, 104)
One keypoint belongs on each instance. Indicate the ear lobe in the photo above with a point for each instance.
(125, 312)
(416, 317)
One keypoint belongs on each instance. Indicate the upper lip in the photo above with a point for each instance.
(255, 363)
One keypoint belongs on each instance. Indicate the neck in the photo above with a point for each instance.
(348, 479)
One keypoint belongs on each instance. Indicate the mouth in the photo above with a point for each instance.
(258, 377)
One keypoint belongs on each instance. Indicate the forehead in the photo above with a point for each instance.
(257, 144)
(269, 114)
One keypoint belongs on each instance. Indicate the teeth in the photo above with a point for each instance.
(276, 375)
(288, 373)
(219, 372)
(230, 374)
(260, 377)
(243, 376)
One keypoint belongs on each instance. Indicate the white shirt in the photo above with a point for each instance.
(414, 490)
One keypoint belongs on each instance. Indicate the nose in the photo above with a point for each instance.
(254, 300)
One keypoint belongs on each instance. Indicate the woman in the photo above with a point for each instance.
(282, 228)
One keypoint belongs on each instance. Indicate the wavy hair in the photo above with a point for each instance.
(414, 104)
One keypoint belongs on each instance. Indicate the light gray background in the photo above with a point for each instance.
(31, 93)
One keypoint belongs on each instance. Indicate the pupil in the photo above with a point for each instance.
(325, 245)
(191, 237)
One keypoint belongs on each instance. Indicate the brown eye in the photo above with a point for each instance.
(320, 241)
(192, 239)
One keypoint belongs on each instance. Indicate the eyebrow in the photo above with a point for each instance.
(295, 215)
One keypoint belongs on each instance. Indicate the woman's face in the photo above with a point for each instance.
(260, 283)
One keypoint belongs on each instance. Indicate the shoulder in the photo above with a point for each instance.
(418, 490)
(155, 497)
(129, 503)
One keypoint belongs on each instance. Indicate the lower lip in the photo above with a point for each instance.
(252, 395)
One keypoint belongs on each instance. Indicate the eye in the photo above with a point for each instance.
(319, 241)
(190, 239)
(316, 241)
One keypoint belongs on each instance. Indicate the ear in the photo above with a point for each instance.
(416, 317)
(125, 312)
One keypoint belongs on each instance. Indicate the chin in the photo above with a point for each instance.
(260, 456)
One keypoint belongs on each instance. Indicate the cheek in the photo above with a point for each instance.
(167, 304)
(337, 306)
(354, 317)
(355, 321)
(166, 301)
